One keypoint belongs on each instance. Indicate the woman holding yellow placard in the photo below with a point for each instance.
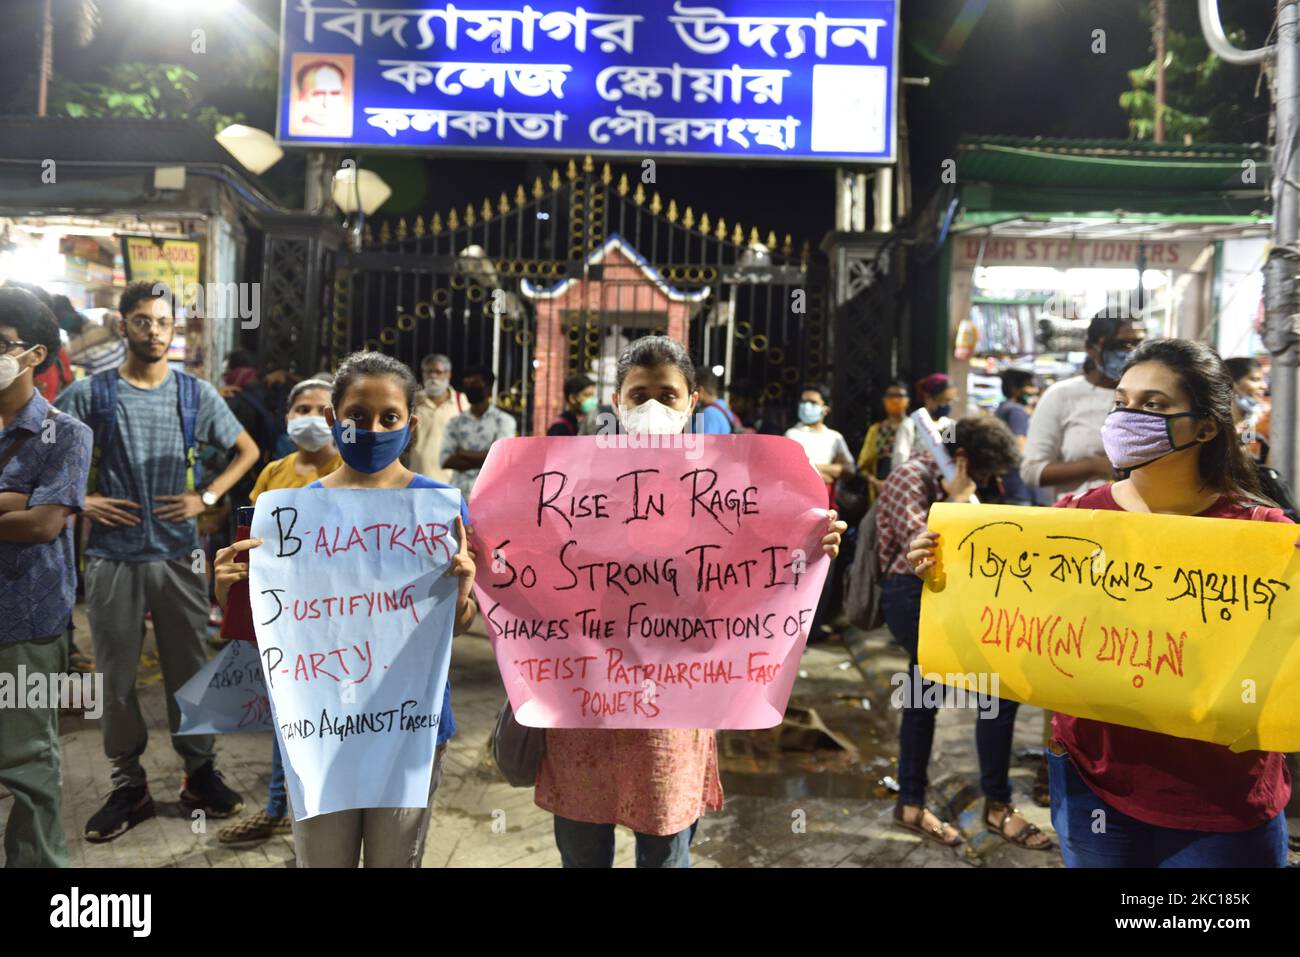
(1165, 801)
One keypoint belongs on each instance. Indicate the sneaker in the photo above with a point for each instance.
(82, 664)
(259, 827)
(126, 807)
(206, 789)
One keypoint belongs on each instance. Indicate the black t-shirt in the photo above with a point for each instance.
(565, 424)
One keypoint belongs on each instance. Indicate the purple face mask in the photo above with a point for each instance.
(1134, 437)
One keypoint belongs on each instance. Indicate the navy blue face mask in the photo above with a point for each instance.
(370, 452)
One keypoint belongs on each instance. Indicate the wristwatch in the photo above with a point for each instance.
(209, 498)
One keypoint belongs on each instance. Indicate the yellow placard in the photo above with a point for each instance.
(175, 262)
(1182, 625)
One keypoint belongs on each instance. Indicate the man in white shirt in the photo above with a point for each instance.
(1063, 449)
(936, 393)
(435, 406)
(470, 435)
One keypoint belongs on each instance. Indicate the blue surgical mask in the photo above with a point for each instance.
(1113, 362)
(810, 413)
(941, 411)
(369, 451)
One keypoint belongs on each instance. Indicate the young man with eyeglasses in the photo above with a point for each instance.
(44, 460)
(143, 555)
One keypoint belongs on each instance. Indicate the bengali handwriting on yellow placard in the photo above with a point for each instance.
(1182, 625)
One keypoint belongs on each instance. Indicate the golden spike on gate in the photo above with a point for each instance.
(656, 205)
(503, 204)
(383, 233)
(469, 215)
(639, 196)
(556, 182)
(704, 223)
(453, 220)
(688, 220)
(587, 165)
(521, 198)
(804, 253)
(487, 208)
(771, 241)
(738, 235)
(606, 175)
(538, 189)
(753, 236)
(787, 246)
(401, 229)
(722, 228)
(435, 224)
(672, 210)
(419, 226)
(572, 171)
(623, 187)
(367, 238)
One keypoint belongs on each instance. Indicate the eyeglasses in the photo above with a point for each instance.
(7, 344)
(141, 324)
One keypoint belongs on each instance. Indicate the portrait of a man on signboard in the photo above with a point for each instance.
(322, 96)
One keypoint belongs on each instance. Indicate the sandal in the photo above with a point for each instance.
(1022, 837)
(259, 827)
(944, 834)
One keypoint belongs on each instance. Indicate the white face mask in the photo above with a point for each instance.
(310, 432)
(10, 370)
(436, 387)
(652, 418)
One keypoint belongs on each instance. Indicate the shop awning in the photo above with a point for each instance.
(1112, 187)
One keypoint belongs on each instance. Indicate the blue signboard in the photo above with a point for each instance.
(752, 79)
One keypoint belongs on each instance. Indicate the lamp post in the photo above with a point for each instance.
(1281, 304)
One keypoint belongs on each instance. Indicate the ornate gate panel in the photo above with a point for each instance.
(556, 279)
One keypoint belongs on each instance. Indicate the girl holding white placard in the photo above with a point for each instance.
(371, 419)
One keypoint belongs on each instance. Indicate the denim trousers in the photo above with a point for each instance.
(993, 731)
(277, 801)
(1094, 834)
(592, 845)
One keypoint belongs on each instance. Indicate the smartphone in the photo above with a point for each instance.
(237, 622)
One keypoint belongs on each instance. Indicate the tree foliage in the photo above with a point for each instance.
(163, 91)
(1206, 100)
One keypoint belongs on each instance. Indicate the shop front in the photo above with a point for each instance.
(1052, 233)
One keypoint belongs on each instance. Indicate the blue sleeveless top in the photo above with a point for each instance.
(447, 720)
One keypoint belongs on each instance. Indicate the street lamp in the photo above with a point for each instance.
(255, 149)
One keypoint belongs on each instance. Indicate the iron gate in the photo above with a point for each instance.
(554, 279)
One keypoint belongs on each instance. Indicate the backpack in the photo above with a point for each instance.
(1274, 489)
(863, 591)
(103, 420)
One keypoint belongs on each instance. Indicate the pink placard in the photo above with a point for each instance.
(668, 587)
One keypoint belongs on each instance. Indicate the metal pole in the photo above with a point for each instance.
(1280, 279)
(47, 59)
(1281, 303)
(1161, 27)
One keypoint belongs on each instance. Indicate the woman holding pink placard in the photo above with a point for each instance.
(656, 782)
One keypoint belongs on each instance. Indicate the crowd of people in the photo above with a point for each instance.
(141, 458)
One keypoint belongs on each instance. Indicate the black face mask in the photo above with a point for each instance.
(475, 395)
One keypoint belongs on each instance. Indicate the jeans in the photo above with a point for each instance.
(277, 801)
(1094, 834)
(901, 602)
(592, 845)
